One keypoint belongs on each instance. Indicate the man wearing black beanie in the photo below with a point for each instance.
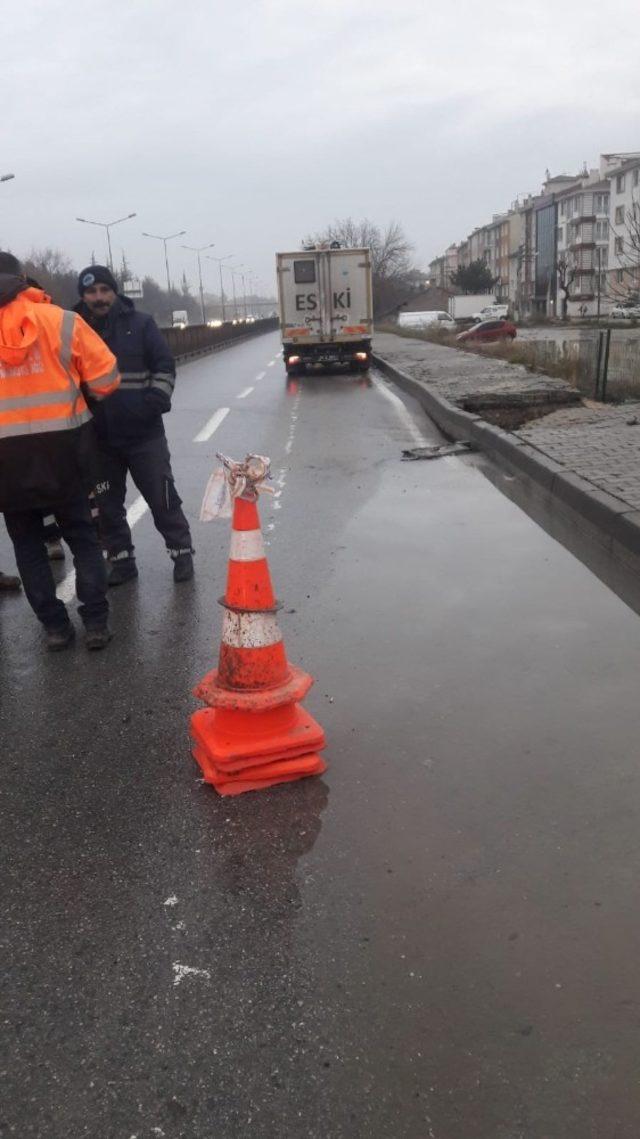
(131, 430)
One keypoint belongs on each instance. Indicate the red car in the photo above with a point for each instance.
(490, 330)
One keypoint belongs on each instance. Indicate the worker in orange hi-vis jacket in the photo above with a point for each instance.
(53, 367)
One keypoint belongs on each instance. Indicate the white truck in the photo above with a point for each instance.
(179, 318)
(466, 306)
(326, 308)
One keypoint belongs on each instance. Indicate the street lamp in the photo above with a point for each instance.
(220, 260)
(198, 249)
(164, 241)
(6, 177)
(107, 225)
(233, 269)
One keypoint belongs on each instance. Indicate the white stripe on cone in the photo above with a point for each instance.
(246, 546)
(250, 630)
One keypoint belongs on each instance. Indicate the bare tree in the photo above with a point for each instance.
(392, 271)
(566, 277)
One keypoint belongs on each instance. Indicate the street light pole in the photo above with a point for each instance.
(164, 240)
(233, 269)
(220, 260)
(108, 226)
(197, 249)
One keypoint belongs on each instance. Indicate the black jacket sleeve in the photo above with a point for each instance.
(161, 365)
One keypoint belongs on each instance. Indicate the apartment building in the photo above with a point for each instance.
(441, 269)
(623, 253)
(582, 247)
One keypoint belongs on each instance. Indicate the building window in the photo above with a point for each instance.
(619, 215)
(601, 203)
(619, 245)
(620, 184)
(560, 234)
(601, 229)
(602, 256)
(636, 177)
(619, 276)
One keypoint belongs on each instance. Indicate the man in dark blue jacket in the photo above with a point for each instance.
(130, 426)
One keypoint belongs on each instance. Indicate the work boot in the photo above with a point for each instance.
(55, 551)
(183, 567)
(59, 639)
(121, 570)
(9, 584)
(97, 636)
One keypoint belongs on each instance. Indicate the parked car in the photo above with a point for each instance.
(426, 319)
(492, 312)
(625, 312)
(489, 330)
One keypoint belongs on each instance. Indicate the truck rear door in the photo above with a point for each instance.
(301, 303)
(348, 293)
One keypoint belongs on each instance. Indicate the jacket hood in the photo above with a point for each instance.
(18, 326)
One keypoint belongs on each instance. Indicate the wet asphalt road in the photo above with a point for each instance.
(437, 940)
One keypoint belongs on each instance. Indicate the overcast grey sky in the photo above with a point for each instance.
(250, 124)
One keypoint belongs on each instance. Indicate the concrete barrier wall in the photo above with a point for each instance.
(198, 339)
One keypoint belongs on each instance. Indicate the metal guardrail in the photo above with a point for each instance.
(199, 339)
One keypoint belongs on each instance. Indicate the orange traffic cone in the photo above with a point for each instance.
(254, 733)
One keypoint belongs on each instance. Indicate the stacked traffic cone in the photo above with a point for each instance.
(253, 734)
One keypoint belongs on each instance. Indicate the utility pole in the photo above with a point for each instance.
(198, 249)
(108, 225)
(164, 240)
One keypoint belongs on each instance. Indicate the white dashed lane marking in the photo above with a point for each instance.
(212, 425)
(245, 393)
(67, 588)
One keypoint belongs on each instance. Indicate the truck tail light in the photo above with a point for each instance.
(293, 359)
(360, 356)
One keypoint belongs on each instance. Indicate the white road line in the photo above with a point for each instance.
(67, 588)
(402, 412)
(245, 393)
(261, 375)
(271, 363)
(211, 425)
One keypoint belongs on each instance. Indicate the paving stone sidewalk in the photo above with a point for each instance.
(459, 376)
(598, 442)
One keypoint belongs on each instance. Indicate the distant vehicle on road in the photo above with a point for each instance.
(625, 312)
(326, 308)
(492, 312)
(426, 319)
(488, 331)
(465, 306)
(179, 318)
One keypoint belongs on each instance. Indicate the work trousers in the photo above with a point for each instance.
(149, 463)
(27, 532)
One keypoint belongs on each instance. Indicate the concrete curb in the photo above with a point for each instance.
(614, 519)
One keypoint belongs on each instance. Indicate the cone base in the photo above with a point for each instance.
(294, 688)
(258, 777)
(253, 738)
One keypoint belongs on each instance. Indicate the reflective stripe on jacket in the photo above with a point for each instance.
(52, 368)
(49, 359)
(147, 369)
